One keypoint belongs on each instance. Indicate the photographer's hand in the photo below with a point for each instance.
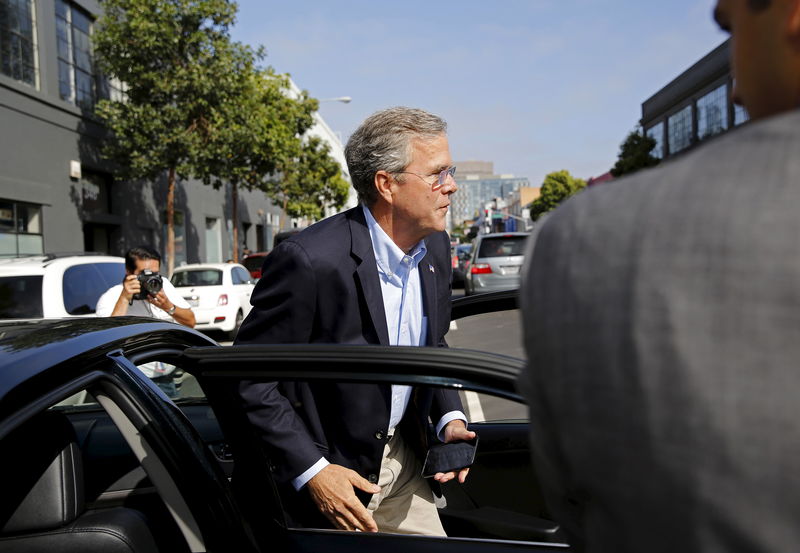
(130, 287)
(179, 314)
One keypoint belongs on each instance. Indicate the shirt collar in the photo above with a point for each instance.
(388, 255)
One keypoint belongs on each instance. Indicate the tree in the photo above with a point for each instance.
(634, 154)
(556, 188)
(259, 145)
(180, 67)
(198, 106)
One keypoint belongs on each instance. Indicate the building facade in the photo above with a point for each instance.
(477, 186)
(57, 194)
(694, 107)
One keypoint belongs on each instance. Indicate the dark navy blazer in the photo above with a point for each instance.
(322, 286)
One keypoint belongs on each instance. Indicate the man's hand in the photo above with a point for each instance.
(332, 491)
(161, 301)
(455, 431)
(130, 287)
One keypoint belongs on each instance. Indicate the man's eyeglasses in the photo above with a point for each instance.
(441, 178)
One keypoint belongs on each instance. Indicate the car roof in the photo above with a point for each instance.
(37, 264)
(32, 347)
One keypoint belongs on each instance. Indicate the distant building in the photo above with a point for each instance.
(693, 107)
(56, 191)
(478, 185)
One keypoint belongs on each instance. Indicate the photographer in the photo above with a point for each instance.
(132, 298)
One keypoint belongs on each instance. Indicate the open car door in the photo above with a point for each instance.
(498, 509)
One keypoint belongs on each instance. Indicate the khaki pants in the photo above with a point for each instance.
(405, 503)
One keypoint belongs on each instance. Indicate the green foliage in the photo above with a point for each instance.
(635, 154)
(198, 103)
(180, 69)
(556, 188)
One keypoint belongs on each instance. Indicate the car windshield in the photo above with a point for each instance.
(21, 297)
(502, 246)
(199, 277)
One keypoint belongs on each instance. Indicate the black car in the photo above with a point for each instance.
(97, 457)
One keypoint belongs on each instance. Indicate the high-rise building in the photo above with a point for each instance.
(479, 185)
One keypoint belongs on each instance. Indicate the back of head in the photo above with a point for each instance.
(139, 253)
(383, 142)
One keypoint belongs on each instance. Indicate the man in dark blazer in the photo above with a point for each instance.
(376, 274)
(662, 324)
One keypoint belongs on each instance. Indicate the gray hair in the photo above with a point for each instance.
(383, 143)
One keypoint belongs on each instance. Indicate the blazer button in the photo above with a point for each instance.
(379, 435)
(373, 478)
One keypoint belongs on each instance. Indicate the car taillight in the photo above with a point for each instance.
(480, 269)
(454, 261)
(223, 299)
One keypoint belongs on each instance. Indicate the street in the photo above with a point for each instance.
(496, 333)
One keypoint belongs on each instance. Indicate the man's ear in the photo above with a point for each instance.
(384, 184)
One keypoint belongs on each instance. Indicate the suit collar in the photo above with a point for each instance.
(367, 272)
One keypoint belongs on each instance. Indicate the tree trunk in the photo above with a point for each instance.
(171, 221)
(235, 199)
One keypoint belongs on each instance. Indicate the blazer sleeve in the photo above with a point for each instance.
(283, 312)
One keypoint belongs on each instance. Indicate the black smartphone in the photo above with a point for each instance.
(443, 457)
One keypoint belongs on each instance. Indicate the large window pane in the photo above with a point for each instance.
(712, 113)
(740, 115)
(680, 130)
(76, 77)
(656, 132)
(18, 41)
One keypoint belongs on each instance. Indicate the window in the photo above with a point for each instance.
(84, 284)
(20, 229)
(740, 115)
(18, 41)
(502, 246)
(240, 276)
(21, 297)
(712, 113)
(656, 132)
(680, 130)
(213, 240)
(95, 195)
(178, 226)
(204, 277)
(76, 81)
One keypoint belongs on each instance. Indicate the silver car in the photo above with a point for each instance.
(496, 262)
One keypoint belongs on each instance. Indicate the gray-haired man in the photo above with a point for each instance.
(376, 274)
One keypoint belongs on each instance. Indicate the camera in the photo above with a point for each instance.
(151, 284)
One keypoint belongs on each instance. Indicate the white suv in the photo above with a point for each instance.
(54, 285)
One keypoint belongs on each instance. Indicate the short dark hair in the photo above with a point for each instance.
(139, 253)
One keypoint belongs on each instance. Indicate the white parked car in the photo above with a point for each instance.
(56, 285)
(218, 293)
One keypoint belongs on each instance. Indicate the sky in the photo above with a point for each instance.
(534, 86)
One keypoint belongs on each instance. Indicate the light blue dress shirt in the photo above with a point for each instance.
(402, 302)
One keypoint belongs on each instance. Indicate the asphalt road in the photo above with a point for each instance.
(496, 333)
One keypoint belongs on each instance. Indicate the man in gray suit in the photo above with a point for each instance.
(662, 324)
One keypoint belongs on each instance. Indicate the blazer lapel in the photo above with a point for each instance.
(428, 276)
(367, 272)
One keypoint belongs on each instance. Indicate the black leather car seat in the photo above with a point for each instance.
(42, 505)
